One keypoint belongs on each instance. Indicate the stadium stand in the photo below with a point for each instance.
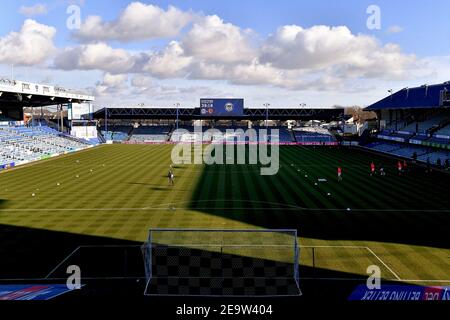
(190, 134)
(229, 134)
(285, 135)
(3, 118)
(444, 131)
(425, 125)
(407, 151)
(94, 141)
(116, 133)
(19, 145)
(416, 121)
(434, 157)
(313, 135)
(151, 134)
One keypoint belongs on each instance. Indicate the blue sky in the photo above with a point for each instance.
(416, 28)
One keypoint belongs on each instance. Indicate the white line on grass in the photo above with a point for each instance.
(384, 264)
(220, 245)
(359, 247)
(172, 206)
(60, 264)
(349, 247)
(301, 246)
(415, 280)
(222, 208)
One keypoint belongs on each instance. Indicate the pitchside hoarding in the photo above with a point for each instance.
(32, 292)
(400, 293)
(222, 107)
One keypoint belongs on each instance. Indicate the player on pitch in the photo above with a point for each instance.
(372, 168)
(399, 167)
(171, 177)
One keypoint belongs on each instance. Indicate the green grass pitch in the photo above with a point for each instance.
(115, 193)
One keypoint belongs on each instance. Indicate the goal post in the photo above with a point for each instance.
(213, 262)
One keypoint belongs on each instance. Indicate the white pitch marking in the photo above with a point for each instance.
(387, 267)
(65, 259)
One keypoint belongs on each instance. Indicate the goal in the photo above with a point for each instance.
(208, 262)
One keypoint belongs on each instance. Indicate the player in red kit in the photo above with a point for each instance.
(372, 168)
(339, 173)
(399, 167)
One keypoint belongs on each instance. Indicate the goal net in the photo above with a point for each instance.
(221, 262)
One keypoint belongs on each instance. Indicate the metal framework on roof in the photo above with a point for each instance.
(194, 113)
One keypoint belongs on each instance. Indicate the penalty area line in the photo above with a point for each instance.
(61, 263)
(384, 264)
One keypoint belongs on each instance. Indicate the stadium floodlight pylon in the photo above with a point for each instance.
(218, 262)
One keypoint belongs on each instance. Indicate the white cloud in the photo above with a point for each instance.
(257, 73)
(169, 63)
(111, 84)
(394, 29)
(98, 56)
(436, 68)
(386, 63)
(141, 81)
(117, 90)
(188, 95)
(208, 71)
(253, 73)
(114, 80)
(137, 22)
(322, 47)
(295, 58)
(35, 10)
(213, 40)
(33, 44)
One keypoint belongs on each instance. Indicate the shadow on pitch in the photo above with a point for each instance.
(155, 187)
(3, 203)
(403, 227)
(150, 185)
(32, 253)
(115, 268)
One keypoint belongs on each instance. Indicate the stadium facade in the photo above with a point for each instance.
(102, 185)
(16, 95)
(173, 125)
(413, 123)
(22, 142)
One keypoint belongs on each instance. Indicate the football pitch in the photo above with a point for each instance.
(113, 194)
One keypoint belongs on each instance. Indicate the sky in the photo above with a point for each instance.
(286, 53)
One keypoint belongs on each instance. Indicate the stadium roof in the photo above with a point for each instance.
(195, 113)
(424, 97)
(18, 94)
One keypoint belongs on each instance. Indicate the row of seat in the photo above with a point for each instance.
(20, 145)
(424, 154)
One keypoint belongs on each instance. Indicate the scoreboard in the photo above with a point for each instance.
(80, 111)
(222, 107)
